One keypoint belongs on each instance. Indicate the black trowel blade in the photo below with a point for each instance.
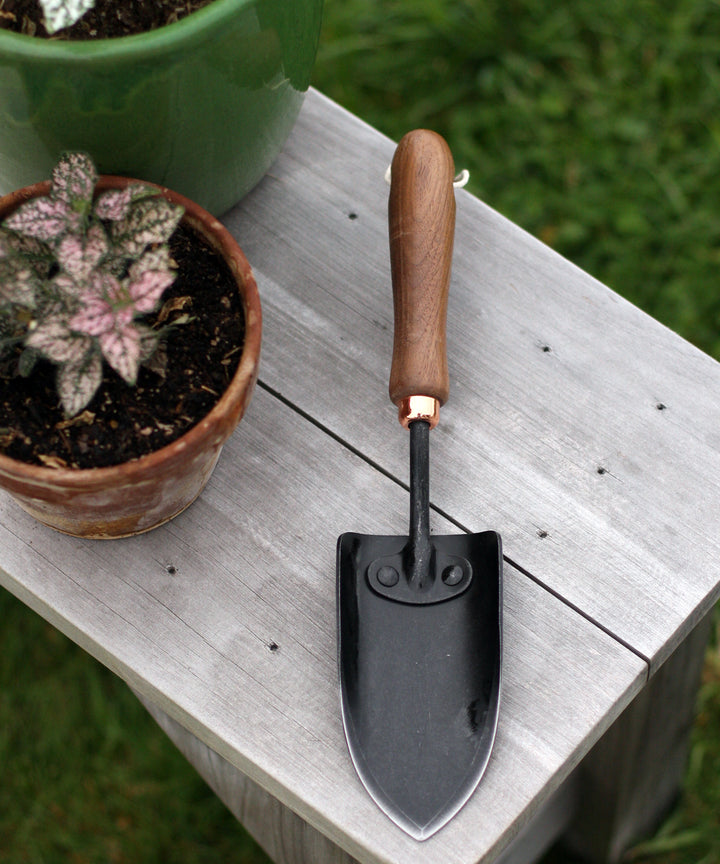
(420, 682)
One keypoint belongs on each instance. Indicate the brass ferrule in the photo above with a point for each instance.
(419, 408)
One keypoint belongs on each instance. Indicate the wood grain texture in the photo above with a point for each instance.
(421, 218)
(225, 619)
(554, 436)
(288, 839)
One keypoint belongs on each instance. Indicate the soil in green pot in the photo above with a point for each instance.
(189, 374)
(108, 18)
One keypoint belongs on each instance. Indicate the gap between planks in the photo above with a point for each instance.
(271, 391)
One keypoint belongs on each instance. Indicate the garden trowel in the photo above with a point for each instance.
(419, 617)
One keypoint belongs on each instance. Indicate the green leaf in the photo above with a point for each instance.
(26, 362)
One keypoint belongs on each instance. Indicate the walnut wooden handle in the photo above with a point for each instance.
(422, 225)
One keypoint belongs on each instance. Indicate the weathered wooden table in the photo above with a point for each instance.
(582, 430)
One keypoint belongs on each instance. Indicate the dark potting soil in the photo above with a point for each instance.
(106, 20)
(191, 370)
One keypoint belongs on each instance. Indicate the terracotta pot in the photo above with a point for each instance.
(143, 493)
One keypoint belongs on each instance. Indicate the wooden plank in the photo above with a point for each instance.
(225, 619)
(582, 430)
(288, 839)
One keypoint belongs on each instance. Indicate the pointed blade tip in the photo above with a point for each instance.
(413, 828)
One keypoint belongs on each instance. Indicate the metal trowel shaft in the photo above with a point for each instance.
(419, 548)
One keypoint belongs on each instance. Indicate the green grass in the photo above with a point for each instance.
(87, 776)
(596, 127)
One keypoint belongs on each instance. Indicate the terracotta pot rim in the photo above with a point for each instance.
(243, 378)
(136, 45)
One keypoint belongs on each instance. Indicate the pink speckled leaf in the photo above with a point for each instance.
(35, 253)
(97, 313)
(70, 253)
(78, 255)
(78, 382)
(18, 283)
(148, 288)
(41, 218)
(96, 316)
(73, 180)
(151, 220)
(157, 258)
(114, 204)
(121, 349)
(68, 288)
(58, 343)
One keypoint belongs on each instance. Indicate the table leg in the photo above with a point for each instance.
(631, 778)
(285, 836)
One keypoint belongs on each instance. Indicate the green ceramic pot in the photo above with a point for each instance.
(202, 106)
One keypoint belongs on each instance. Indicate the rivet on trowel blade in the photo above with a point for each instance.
(388, 576)
(453, 574)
